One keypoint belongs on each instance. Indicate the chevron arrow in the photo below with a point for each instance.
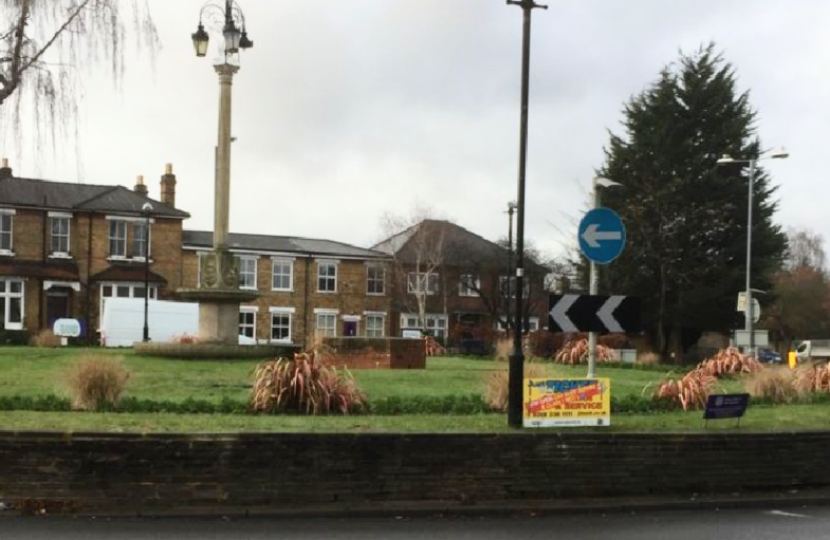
(606, 314)
(559, 313)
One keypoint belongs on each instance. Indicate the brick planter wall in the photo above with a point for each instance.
(146, 473)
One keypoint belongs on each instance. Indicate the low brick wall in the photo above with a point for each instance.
(381, 353)
(147, 473)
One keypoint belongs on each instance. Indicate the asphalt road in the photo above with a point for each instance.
(755, 524)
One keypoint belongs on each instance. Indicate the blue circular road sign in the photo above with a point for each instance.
(601, 235)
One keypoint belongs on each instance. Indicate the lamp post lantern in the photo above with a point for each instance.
(517, 359)
(748, 315)
(147, 210)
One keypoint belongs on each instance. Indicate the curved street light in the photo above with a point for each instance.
(778, 153)
(234, 31)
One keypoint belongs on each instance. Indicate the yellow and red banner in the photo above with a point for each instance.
(566, 402)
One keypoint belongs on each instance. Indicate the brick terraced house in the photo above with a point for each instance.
(66, 247)
(307, 288)
(453, 283)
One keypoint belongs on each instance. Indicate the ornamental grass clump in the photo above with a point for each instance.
(813, 379)
(729, 361)
(305, 385)
(576, 352)
(690, 391)
(777, 384)
(496, 385)
(97, 382)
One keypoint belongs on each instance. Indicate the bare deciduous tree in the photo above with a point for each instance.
(45, 46)
(416, 245)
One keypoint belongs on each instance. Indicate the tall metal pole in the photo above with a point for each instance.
(748, 323)
(146, 335)
(511, 207)
(593, 285)
(516, 373)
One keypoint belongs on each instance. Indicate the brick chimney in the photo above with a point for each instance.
(5, 170)
(140, 188)
(168, 186)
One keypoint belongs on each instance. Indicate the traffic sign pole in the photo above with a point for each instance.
(593, 289)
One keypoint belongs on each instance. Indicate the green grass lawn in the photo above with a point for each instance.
(32, 371)
(782, 419)
(27, 371)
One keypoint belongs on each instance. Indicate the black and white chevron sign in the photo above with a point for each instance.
(584, 313)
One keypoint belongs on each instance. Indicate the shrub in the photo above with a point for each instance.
(305, 385)
(729, 361)
(690, 391)
(776, 384)
(97, 382)
(14, 337)
(648, 358)
(613, 341)
(45, 338)
(543, 344)
(812, 378)
(185, 339)
(575, 352)
(496, 385)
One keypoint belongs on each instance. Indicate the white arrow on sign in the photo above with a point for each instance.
(606, 313)
(593, 236)
(560, 313)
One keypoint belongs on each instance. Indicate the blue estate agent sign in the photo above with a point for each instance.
(725, 406)
(601, 235)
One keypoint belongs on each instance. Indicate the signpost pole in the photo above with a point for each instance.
(593, 289)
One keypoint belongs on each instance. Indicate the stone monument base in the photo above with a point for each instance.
(218, 312)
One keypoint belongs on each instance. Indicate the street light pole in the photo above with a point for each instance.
(147, 209)
(516, 373)
(749, 323)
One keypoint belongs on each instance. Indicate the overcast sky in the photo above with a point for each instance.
(347, 109)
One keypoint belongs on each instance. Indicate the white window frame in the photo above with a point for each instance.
(464, 289)
(373, 318)
(282, 312)
(324, 330)
(118, 224)
(63, 218)
(248, 310)
(7, 213)
(244, 259)
(281, 261)
(7, 296)
(138, 254)
(328, 265)
(381, 279)
(415, 280)
(409, 320)
(131, 287)
(435, 329)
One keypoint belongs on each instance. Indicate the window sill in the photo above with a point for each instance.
(137, 260)
(326, 292)
(6, 253)
(282, 290)
(248, 288)
(14, 326)
(375, 294)
(59, 255)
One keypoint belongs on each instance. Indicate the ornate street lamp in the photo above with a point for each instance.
(229, 15)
